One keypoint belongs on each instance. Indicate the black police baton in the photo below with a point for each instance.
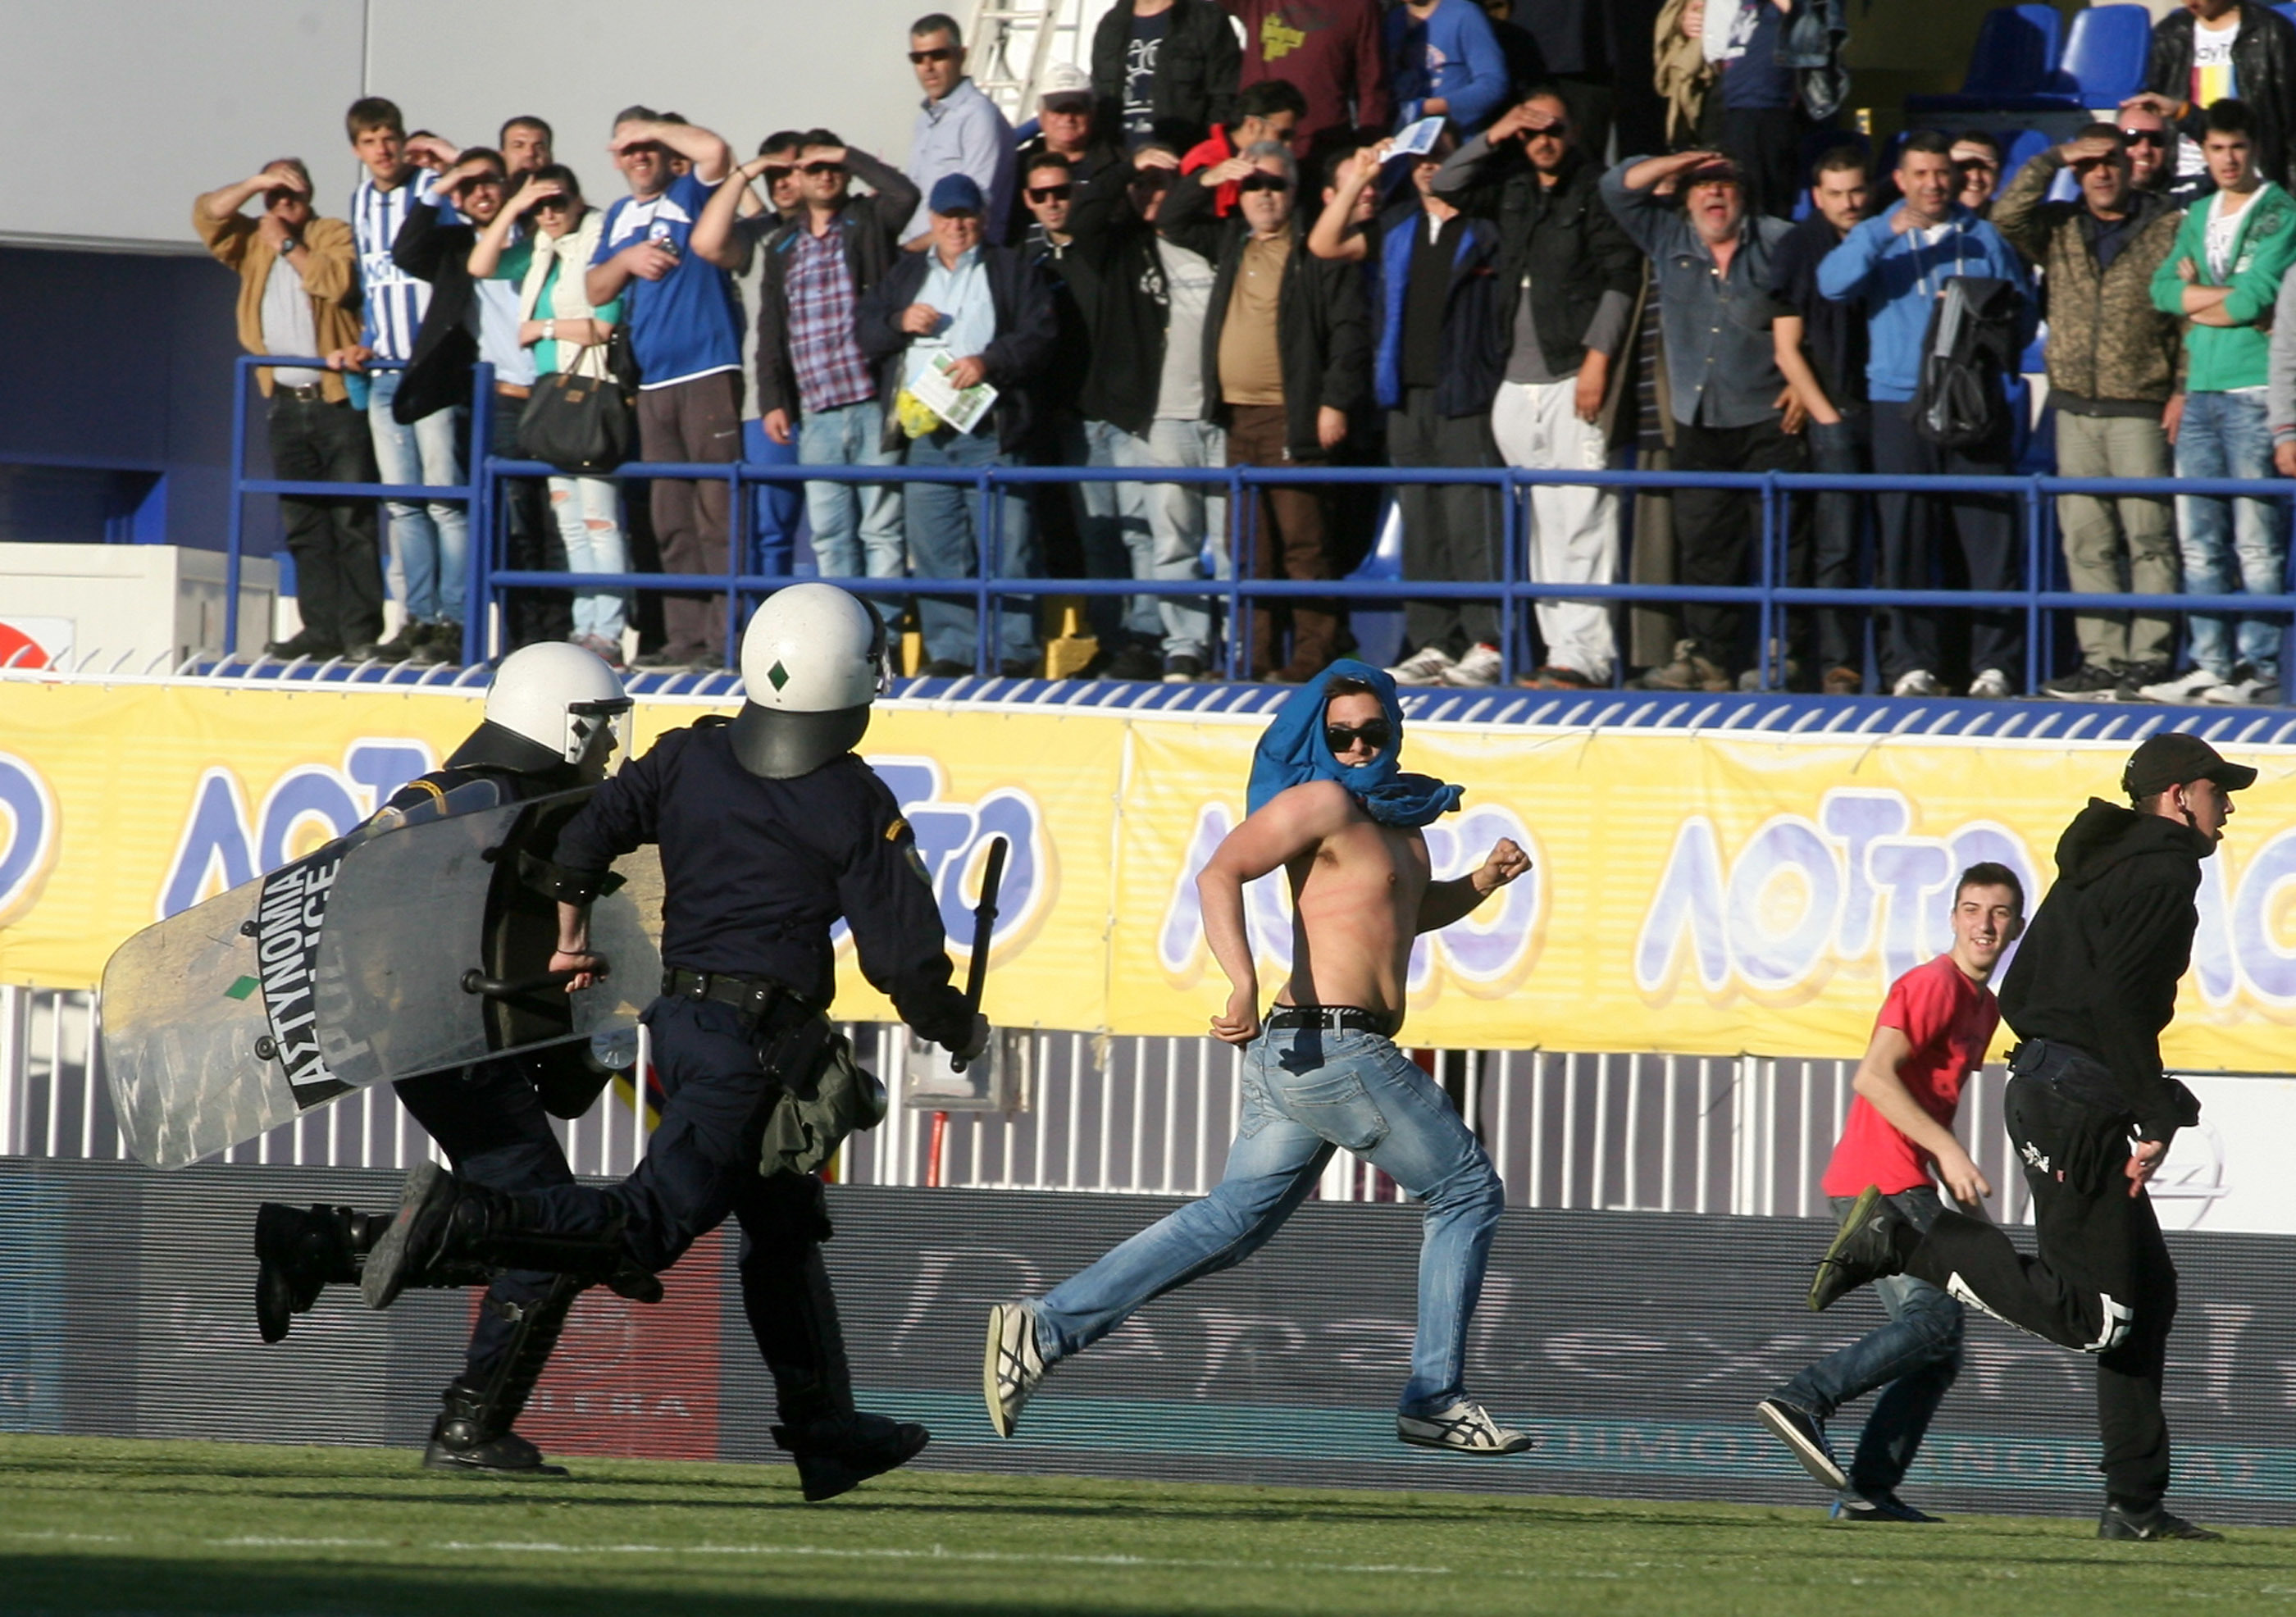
(984, 925)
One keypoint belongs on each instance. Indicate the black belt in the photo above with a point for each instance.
(309, 392)
(753, 997)
(1351, 1018)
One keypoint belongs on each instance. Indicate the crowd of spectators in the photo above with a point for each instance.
(1334, 233)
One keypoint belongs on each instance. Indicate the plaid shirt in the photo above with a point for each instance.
(830, 370)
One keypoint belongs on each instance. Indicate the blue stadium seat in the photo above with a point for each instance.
(2102, 65)
(2015, 56)
(2020, 147)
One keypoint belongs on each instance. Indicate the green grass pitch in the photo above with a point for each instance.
(97, 1528)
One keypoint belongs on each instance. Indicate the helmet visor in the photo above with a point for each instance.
(598, 731)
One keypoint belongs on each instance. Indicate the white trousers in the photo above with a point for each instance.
(1574, 530)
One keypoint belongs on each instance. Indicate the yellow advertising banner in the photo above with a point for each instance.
(1699, 891)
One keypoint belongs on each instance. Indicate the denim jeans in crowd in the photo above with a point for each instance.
(2232, 546)
(1184, 521)
(1914, 1358)
(431, 541)
(589, 516)
(1307, 1092)
(856, 526)
(773, 507)
(1114, 526)
(944, 523)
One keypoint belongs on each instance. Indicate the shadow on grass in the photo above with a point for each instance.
(100, 1585)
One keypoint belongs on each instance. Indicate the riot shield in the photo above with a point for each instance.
(375, 957)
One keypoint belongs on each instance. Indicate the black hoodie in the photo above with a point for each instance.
(2099, 968)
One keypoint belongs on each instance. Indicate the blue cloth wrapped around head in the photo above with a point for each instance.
(1293, 751)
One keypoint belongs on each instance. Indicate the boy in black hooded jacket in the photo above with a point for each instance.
(2088, 994)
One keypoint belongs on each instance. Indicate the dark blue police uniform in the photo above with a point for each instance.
(755, 873)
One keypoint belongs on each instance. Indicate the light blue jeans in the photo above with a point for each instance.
(1114, 526)
(2231, 547)
(1308, 1092)
(1183, 519)
(943, 522)
(431, 541)
(588, 511)
(856, 526)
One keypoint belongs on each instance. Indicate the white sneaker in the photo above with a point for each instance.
(1426, 666)
(1012, 1367)
(2193, 686)
(1917, 682)
(1466, 1428)
(1480, 666)
(1992, 685)
(2249, 693)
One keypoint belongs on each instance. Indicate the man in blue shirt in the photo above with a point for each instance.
(1443, 60)
(958, 130)
(1898, 264)
(679, 310)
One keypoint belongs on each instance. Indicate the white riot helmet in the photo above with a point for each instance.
(547, 709)
(813, 659)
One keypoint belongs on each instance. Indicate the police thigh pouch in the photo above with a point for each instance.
(821, 1094)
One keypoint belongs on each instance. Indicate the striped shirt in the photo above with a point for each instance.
(830, 370)
(394, 299)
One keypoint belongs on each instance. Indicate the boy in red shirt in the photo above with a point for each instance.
(1930, 1036)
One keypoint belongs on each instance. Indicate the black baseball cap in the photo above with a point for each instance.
(2173, 757)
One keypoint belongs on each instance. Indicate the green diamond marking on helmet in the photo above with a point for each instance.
(242, 988)
(777, 676)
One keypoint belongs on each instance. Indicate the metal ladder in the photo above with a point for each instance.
(1036, 33)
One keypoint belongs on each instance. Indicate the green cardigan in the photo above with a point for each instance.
(2237, 356)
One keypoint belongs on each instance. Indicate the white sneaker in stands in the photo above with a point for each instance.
(1426, 666)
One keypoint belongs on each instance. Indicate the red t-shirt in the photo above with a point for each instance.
(1949, 1021)
(1211, 154)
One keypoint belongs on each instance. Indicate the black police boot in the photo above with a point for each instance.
(1869, 1245)
(473, 1432)
(445, 1224)
(298, 1252)
(838, 1453)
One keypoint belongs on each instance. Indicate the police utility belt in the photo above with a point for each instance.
(823, 1094)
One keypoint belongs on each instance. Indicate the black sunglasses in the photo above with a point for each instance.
(549, 203)
(2146, 137)
(1263, 181)
(1051, 194)
(919, 58)
(1536, 131)
(1373, 732)
(822, 165)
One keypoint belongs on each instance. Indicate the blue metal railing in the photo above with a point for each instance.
(1769, 598)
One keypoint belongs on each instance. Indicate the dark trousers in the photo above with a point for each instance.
(1984, 524)
(701, 1166)
(1845, 446)
(530, 537)
(490, 1123)
(2100, 1280)
(1717, 531)
(1291, 540)
(1766, 143)
(697, 420)
(338, 563)
(1450, 530)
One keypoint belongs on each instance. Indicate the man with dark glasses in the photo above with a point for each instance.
(958, 130)
(1331, 808)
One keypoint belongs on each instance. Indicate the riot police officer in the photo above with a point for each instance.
(549, 727)
(769, 829)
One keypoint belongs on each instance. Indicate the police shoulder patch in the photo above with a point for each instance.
(917, 864)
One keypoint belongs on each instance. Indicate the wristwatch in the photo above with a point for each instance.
(288, 246)
(550, 330)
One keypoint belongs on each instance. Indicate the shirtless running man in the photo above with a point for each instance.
(1329, 807)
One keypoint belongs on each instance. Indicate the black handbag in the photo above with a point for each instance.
(582, 420)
